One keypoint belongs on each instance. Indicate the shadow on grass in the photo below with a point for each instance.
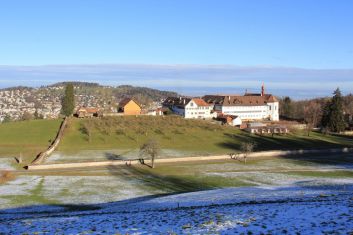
(113, 156)
(155, 181)
(286, 142)
(290, 142)
(300, 189)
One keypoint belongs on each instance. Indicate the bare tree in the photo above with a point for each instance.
(86, 129)
(27, 116)
(247, 148)
(233, 156)
(312, 114)
(150, 148)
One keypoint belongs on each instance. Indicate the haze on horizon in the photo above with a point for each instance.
(299, 48)
(188, 79)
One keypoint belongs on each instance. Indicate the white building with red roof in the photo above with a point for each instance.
(190, 107)
(248, 107)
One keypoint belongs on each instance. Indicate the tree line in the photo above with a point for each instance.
(331, 114)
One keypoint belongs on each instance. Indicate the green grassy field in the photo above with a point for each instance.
(113, 183)
(181, 134)
(122, 182)
(26, 137)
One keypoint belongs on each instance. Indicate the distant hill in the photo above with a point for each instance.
(143, 95)
(102, 94)
(81, 84)
(16, 88)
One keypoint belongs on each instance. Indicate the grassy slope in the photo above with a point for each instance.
(27, 137)
(181, 134)
(182, 177)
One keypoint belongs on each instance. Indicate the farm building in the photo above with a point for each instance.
(230, 120)
(129, 107)
(83, 112)
(155, 112)
(267, 129)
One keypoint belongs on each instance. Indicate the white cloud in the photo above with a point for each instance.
(185, 77)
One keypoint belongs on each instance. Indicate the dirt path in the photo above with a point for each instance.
(275, 153)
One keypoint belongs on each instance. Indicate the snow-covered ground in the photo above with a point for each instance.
(36, 190)
(123, 200)
(6, 163)
(321, 209)
(103, 155)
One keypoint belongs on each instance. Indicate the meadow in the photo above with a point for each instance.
(27, 138)
(93, 196)
(116, 183)
(172, 132)
(124, 135)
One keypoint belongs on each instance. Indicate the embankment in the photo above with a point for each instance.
(276, 153)
(43, 155)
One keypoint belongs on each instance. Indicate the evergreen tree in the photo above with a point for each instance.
(325, 114)
(333, 116)
(287, 107)
(68, 101)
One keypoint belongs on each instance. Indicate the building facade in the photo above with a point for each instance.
(247, 107)
(129, 107)
(189, 107)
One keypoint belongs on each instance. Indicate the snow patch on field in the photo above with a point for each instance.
(90, 189)
(263, 178)
(22, 185)
(275, 210)
(69, 190)
(5, 163)
(103, 155)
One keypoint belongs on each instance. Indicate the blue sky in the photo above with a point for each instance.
(309, 34)
(315, 34)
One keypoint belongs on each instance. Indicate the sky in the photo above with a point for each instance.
(303, 37)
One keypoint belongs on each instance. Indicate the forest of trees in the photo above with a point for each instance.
(331, 114)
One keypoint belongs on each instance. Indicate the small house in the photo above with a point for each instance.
(230, 120)
(83, 112)
(129, 107)
(155, 112)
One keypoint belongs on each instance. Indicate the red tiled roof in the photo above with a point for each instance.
(200, 102)
(272, 99)
(176, 101)
(87, 110)
(91, 110)
(182, 101)
(248, 100)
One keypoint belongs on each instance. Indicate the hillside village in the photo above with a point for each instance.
(256, 112)
(23, 103)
